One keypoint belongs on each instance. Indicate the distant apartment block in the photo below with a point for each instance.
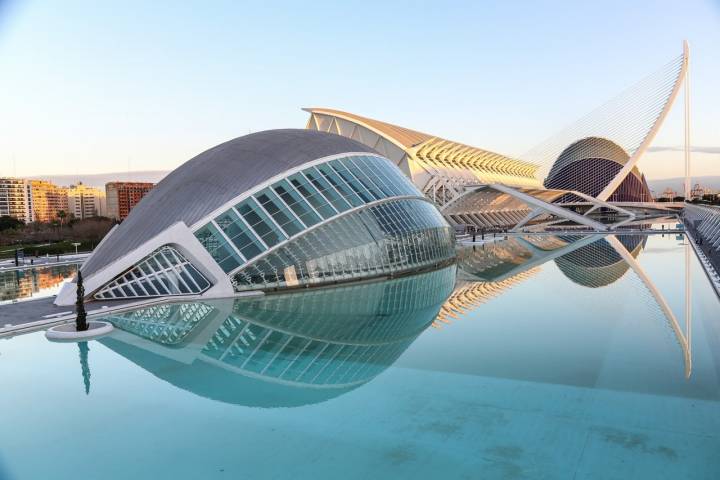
(41, 200)
(85, 202)
(15, 199)
(123, 196)
(47, 200)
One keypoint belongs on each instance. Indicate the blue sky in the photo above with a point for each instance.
(90, 87)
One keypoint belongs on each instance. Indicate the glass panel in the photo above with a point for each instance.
(145, 268)
(296, 203)
(159, 286)
(313, 197)
(336, 197)
(200, 280)
(154, 264)
(170, 286)
(239, 234)
(352, 182)
(217, 246)
(117, 293)
(368, 174)
(260, 222)
(188, 281)
(341, 185)
(349, 171)
(182, 285)
(279, 212)
(137, 285)
(378, 167)
(148, 287)
(160, 258)
(396, 177)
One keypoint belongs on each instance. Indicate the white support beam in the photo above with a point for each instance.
(550, 207)
(534, 213)
(601, 203)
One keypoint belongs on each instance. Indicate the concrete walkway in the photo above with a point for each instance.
(40, 314)
(28, 311)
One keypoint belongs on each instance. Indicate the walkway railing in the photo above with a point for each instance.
(703, 222)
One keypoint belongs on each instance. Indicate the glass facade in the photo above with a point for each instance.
(164, 272)
(382, 239)
(287, 208)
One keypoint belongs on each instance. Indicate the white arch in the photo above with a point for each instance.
(632, 161)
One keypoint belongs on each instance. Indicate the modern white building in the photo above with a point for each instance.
(271, 210)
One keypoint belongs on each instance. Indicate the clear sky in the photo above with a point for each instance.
(91, 87)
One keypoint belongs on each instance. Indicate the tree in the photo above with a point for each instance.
(61, 214)
(7, 223)
(81, 323)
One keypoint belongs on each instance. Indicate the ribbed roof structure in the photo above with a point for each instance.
(439, 167)
(405, 136)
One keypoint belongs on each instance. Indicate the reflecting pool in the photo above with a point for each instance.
(538, 356)
(37, 282)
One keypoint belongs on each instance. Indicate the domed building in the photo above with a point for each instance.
(590, 164)
(268, 211)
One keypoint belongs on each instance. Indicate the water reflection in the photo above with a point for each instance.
(489, 270)
(306, 347)
(33, 282)
(285, 349)
(590, 261)
(83, 350)
(600, 263)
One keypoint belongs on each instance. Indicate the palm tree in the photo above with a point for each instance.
(62, 215)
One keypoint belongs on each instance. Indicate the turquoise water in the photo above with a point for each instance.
(537, 357)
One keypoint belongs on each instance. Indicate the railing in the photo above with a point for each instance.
(703, 223)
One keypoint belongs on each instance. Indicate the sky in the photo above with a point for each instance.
(93, 87)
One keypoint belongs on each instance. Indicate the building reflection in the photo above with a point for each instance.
(489, 270)
(599, 264)
(468, 296)
(283, 350)
(589, 260)
(18, 284)
(592, 261)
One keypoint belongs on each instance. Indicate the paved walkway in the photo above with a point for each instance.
(28, 311)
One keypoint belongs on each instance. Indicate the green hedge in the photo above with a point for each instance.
(58, 248)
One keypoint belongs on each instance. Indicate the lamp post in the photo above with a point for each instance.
(75, 244)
